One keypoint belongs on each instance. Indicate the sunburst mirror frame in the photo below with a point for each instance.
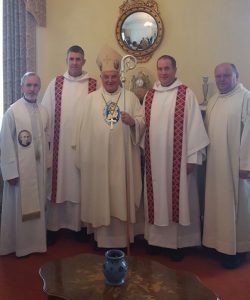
(127, 9)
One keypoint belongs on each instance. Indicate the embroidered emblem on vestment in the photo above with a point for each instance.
(111, 113)
(24, 138)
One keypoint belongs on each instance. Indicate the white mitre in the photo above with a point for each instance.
(108, 59)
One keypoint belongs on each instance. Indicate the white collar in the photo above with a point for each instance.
(159, 88)
(82, 77)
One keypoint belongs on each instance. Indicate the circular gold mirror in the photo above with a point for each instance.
(139, 29)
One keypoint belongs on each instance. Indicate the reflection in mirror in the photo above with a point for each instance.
(139, 28)
(139, 31)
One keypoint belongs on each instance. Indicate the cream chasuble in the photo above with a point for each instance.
(100, 156)
(74, 89)
(65, 213)
(165, 232)
(227, 199)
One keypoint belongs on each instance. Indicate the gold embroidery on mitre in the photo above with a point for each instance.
(108, 59)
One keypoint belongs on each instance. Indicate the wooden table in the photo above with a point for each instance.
(80, 277)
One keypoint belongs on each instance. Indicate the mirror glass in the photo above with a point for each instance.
(139, 31)
(139, 28)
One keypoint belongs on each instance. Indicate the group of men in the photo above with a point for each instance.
(79, 167)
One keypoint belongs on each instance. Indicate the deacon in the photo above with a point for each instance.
(24, 163)
(175, 141)
(108, 156)
(227, 214)
(60, 100)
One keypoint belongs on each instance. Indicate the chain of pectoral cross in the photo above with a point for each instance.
(111, 111)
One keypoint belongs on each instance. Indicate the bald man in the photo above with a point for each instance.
(227, 214)
(24, 162)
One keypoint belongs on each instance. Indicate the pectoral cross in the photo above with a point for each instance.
(112, 121)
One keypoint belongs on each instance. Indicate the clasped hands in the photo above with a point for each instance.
(13, 181)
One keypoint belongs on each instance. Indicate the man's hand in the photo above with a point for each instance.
(127, 119)
(190, 168)
(13, 181)
(244, 174)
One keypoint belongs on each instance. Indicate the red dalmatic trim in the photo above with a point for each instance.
(177, 150)
(92, 85)
(177, 153)
(149, 184)
(57, 122)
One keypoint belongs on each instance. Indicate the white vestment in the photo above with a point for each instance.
(227, 197)
(65, 213)
(109, 162)
(23, 237)
(164, 232)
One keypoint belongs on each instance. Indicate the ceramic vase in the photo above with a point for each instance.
(114, 267)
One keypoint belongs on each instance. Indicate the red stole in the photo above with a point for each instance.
(149, 184)
(177, 152)
(57, 117)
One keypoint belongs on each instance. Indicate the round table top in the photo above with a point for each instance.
(81, 277)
